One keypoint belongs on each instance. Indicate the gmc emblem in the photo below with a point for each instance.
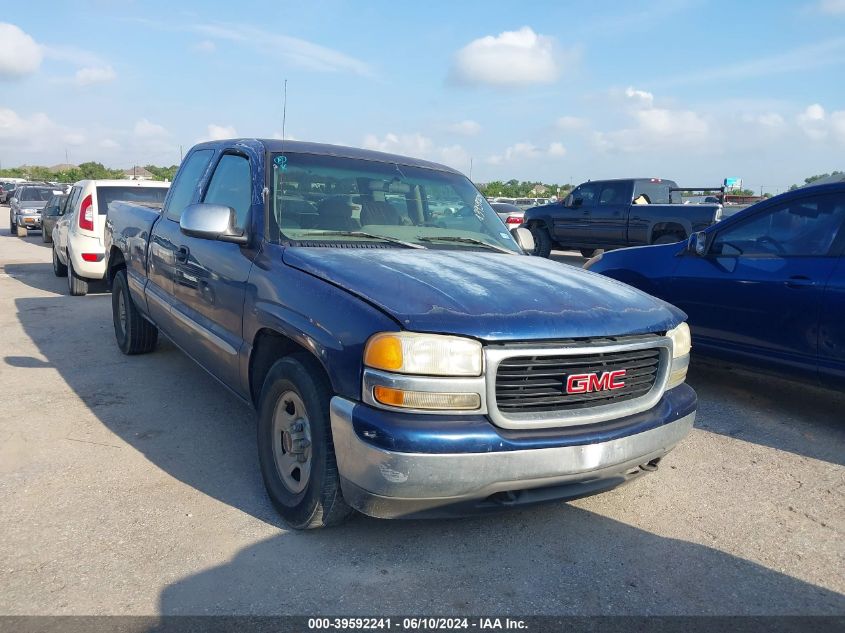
(585, 383)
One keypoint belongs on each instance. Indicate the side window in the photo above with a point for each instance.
(182, 191)
(231, 186)
(71, 200)
(801, 228)
(588, 193)
(613, 193)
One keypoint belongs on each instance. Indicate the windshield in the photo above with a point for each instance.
(35, 194)
(332, 199)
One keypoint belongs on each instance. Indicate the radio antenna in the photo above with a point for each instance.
(284, 110)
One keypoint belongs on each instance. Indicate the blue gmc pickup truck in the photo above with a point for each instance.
(401, 361)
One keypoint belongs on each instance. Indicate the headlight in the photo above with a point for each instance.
(424, 354)
(592, 261)
(681, 346)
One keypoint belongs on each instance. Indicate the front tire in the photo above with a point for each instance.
(133, 333)
(13, 228)
(542, 241)
(76, 285)
(588, 252)
(45, 237)
(295, 448)
(59, 269)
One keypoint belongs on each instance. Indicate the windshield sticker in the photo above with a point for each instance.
(477, 207)
(504, 236)
(281, 162)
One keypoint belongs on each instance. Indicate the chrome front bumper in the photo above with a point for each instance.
(390, 484)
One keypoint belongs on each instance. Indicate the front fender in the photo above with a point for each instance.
(330, 322)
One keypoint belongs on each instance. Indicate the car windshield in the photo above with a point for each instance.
(332, 199)
(36, 194)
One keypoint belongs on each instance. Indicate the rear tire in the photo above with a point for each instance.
(133, 333)
(59, 269)
(295, 448)
(588, 252)
(45, 237)
(13, 228)
(76, 285)
(542, 241)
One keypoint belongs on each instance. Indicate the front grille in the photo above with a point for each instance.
(537, 384)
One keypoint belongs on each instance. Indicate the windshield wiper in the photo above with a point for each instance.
(383, 238)
(464, 240)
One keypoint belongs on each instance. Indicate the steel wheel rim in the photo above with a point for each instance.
(121, 313)
(292, 442)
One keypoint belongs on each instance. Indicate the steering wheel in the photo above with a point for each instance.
(779, 249)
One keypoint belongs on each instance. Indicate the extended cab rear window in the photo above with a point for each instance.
(658, 191)
(145, 195)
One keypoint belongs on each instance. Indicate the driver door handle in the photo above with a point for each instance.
(182, 254)
(799, 281)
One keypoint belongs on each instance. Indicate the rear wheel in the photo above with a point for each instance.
(59, 269)
(295, 446)
(76, 285)
(13, 228)
(45, 237)
(542, 240)
(134, 334)
(588, 252)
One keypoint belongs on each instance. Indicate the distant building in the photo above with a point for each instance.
(61, 167)
(539, 190)
(137, 173)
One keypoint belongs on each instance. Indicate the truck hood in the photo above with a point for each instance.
(492, 297)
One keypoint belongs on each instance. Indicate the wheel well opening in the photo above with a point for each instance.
(116, 262)
(268, 347)
(667, 228)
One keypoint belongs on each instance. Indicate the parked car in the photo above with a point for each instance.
(26, 205)
(765, 287)
(510, 213)
(395, 370)
(6, 191)
(78, 249)
(607, 214)
(50, 215)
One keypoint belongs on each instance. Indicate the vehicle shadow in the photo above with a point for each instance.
(568, 257)
(41, 277)
(556, 559)
(788, 415)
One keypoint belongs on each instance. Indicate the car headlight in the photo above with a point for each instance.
(423, 354)
(681, 346)
(423, 372)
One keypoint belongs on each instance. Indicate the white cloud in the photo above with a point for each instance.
(94, 75)
(556, 150)
(34, 133)
(509, 59)
(767, 119)
(295, 51)
(570, 123)
(205, 46)
(108, 143)
(219, 132)
(146, 129)
(832, 7)
(465, 128)
(639, 97)
(20, 55)
(812, 122)
(526, 151)
(418, 146)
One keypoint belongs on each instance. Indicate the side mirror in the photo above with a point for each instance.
(524, 238)
(211, 222)
(697, 243)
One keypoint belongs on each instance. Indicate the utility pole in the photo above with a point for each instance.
(470, 168)
(67, 162)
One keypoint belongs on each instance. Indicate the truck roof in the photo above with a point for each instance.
(324, 149)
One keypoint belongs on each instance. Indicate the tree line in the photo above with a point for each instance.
(85, 171)
(516, 189)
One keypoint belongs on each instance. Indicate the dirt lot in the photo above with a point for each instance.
(131, 486)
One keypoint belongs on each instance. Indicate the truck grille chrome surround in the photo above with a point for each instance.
(527, 383)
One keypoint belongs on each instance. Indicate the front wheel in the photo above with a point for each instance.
(588, 252)
(134, 334)
(13, 227)
(542, 241)
(295, 448)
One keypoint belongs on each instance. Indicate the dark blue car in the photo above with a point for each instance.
(765, 287)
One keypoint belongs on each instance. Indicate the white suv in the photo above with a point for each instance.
(78, 247)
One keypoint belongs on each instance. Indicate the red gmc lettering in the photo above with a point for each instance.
(585, 383)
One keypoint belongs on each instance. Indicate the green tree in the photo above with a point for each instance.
(162, 173)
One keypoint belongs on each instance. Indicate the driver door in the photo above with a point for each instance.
(758, 292)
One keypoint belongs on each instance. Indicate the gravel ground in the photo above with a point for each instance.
(131, 486)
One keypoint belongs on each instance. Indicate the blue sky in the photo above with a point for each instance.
(693, 90)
